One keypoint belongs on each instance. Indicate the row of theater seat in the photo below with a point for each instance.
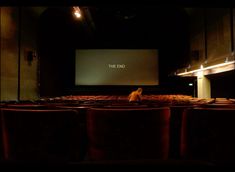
(60, 132)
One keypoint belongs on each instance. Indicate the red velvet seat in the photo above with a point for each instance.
(50, 135)
(219, 105)
(27, 106)
(175, 130)
(1, 138)
(126, 106)
(208, 134)
(82, 111)
(121, 134)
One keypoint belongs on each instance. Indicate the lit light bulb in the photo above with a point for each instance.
(190, 84)
(77, 12)
(226, 60)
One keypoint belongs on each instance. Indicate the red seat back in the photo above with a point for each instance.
(208, 134)
(40, 134)
(140, 133)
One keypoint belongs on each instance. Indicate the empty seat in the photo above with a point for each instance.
(1, 138)
(121, 134)
(27, 106)
(175, 130)
(219, 105)
(126, 106)
(208, 134)
(32, 135)
(82, 111)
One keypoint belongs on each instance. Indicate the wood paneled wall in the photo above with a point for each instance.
(211, 36)
(18, 36)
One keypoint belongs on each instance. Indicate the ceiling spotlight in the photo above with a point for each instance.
(77, 12)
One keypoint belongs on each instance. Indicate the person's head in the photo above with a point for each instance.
(140, 90)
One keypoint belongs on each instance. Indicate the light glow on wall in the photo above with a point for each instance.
(218, 68)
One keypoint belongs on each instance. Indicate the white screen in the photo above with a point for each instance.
(116, 67)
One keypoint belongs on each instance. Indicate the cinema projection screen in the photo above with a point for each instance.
(116, 67)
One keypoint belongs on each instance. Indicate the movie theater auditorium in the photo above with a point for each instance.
(66, 74)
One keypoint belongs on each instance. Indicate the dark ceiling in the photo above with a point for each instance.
(165, 29)
(112, 25)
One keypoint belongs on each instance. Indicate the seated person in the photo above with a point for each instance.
(135, 96)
